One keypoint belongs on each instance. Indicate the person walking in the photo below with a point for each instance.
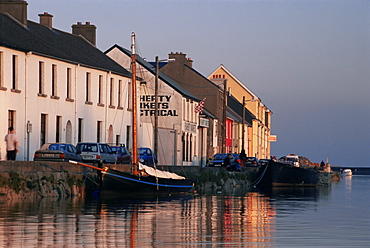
(11, 141)
(242, 157)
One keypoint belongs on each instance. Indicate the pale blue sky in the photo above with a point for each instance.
(308, 60)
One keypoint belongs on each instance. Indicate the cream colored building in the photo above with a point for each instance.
(57, 86)
(256, 137)
(178, 124)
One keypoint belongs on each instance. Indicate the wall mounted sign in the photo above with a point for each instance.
(147, 106)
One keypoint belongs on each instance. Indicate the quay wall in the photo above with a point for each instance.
(29, 179)
(24, 179)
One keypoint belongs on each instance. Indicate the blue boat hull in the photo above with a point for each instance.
(125, 182)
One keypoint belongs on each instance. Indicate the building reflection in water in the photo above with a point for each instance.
(206, 221)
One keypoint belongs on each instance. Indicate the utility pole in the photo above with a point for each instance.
(224, 118)
(243, 118)
(156, 107)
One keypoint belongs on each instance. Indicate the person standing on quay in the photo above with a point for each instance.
(242, 157)
(11, 144)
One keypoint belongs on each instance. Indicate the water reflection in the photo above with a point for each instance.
(210, 220)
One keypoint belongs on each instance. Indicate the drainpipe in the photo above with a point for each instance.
(106, 106)
(75, 103)
(25, 107)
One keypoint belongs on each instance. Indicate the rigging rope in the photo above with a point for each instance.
(258, 180)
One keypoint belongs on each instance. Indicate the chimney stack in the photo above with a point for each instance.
(16, 8)
(46, 19)
(189, 62)
(86, 30)
(181, 58)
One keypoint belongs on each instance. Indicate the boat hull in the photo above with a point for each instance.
(276, 174)
(125, 182)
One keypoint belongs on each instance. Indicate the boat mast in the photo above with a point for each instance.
(134, 106)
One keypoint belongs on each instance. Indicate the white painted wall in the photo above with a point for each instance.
(29, 106)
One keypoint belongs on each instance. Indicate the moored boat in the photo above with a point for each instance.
(346, 172)
(281, 174)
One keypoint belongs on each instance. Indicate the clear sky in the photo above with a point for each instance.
(308, 60)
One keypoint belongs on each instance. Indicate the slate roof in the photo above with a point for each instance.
(54, 43)
(161, 75)
(235, 109)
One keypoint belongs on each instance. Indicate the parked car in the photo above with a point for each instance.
(218, 159)
(122, 154)
(57, 152)
(251, 162)
(94, 152)
(147, 156)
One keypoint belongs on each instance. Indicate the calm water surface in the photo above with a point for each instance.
(336, 216)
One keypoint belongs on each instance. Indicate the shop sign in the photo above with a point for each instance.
(203, 122)
(190, 127)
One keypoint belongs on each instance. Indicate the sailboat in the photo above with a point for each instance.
(141, 178)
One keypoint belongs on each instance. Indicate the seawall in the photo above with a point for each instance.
(24, 179)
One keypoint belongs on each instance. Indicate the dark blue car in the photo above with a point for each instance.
(147, 156)
(218, 159)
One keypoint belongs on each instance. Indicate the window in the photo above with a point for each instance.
(11, 118)
(128, 135)
(2, 71)
(118, 139)
(100, 93)
(119, 103)
(54, 82)
(129, 96)
(98, 131)
(80, 129)
(267, 119)
(43, 129)
(14, 72)
(58, 129)
(88, 88)
(41, 78)
(69, 83)
(111, 93)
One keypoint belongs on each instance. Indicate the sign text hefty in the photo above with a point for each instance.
(147, 106)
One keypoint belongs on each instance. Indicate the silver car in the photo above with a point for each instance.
(57, 152)
(94, 152)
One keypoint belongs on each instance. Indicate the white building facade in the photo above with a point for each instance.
(58, 87)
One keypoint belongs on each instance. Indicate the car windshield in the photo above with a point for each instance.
(220, 156)
(60, 147)
(115, 149)
(88, 147)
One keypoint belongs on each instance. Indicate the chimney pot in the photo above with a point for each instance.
(46, 19)
(88, 31)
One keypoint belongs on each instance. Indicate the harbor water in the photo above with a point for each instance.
(334, 216)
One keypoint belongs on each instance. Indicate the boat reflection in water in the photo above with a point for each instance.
(211, 220)
(199, 220)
